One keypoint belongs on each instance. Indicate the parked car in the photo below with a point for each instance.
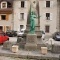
(20, 33)
(42, 32)
(43, 35)
(11, 33)
(56, 36)
(3, 37)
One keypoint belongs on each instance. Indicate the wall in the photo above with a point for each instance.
(53, 10)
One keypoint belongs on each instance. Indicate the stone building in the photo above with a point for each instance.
(14, 14)
(20, 11)
(49, 18)
(6, 10)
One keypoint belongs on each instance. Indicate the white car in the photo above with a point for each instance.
(43, 35)
(20, 33)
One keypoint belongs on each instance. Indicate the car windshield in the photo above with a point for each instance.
(8, 30)
(58, 33)
(42, 32)
(22, 31)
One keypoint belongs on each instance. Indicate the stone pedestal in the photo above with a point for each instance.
(14, 48)
(7, 45)
(55, 48)
(31, 42)
(44, 50)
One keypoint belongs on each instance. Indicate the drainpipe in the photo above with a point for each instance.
(58, 5)
(12, 16)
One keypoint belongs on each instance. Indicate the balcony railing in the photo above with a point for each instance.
(6, 11)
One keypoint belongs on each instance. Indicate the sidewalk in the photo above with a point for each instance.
(27, 54)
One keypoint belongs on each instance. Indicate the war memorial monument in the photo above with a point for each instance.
(31, 42)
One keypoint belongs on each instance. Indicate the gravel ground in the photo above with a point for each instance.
(12, 58)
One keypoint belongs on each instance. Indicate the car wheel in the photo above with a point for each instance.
(55, 39)
(8, 39)
(1, 43)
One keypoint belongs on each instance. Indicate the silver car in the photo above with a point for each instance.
(20, 33)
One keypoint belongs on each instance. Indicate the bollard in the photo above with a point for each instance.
(15, 48)
(44, 50)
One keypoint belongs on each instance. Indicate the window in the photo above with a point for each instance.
(9, 5)
(3, 17)
(8, 28)
(21, 27)
(47, 28)
(47, 3)
(1, 27)
(47, 16)
(3, 4)
(22, 16)
(22, 4)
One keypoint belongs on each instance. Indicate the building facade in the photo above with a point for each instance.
(14, 14)
(6, 9)
(48, 12)
(20, 9)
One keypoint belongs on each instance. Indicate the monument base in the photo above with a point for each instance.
(31, 42)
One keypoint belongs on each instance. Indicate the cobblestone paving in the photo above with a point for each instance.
(12, 58)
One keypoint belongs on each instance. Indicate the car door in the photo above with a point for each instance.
(1, 38)
(4, 38)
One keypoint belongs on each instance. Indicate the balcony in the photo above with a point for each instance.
(6, 11)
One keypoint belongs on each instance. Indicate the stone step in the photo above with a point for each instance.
(39, 34)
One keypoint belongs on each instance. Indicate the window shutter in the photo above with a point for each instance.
(0, 17)
(7, 17)
(44, 3)
(19, 16)
(51, 3)
(25, 16)
(10, 27)
(47, 28)
(51, 16)
(4, 29)
(19, 4)
(44, 16)
(26, 4)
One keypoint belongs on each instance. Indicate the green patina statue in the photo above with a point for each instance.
(32, 22)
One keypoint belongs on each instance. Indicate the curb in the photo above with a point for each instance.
(25, 55)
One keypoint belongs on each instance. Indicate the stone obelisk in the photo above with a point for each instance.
(37, 20)
(31, 37)
(33, 28)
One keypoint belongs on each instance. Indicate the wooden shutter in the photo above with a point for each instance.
(4, 28)
(0, 17)
(7, 17)
(10, 27)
